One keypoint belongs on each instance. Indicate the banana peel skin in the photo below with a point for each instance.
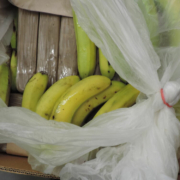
(124, 98)
(72, 99)
(49, 98)
(87, 107)
(5, 82)
(34, 89)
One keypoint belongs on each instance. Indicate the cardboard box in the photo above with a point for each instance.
(19, 165)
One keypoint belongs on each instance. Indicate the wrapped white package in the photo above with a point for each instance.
(140, 142)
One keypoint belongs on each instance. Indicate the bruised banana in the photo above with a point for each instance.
(5, 82)
(34, 90)
(95, 101)
(124, 98)
(72, 99)
(13, 68)
(105, 68)
(86, 51)
(47, 101)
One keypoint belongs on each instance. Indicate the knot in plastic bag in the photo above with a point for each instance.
(170, 93)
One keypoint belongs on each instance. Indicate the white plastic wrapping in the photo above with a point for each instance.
(140, 142)
(6, 28)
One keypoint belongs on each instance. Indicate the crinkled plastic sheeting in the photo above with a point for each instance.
(6, 29)
(140, 142)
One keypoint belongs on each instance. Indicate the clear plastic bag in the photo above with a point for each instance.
(139, 142)
(6, 28)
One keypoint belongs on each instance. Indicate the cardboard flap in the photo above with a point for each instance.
(15, 150)
(58, 7)
(20, 165)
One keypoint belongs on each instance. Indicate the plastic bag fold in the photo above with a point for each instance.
(6, 29)
(140, 142)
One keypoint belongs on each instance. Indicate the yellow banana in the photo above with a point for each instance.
(70, 101)
(86, 51)
(34, 90)
(95, 101)
(5, 82)
(105, 68)
(13, 68)
(124, 98)
(47, 101)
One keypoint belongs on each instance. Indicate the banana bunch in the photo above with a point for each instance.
(64, 97)
(72, 100)
(46, 103)
(13, 63)
(86, 55)
(88, 106)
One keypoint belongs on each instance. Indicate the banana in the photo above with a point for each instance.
(124, 98)
(95, 101)
(150, 12)
(70, 101)
(86, 51)
(14, 38)
(13, 68)
(105, 68)
(34, 90)
(172, 15)
(5, 82)
(47, 101)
